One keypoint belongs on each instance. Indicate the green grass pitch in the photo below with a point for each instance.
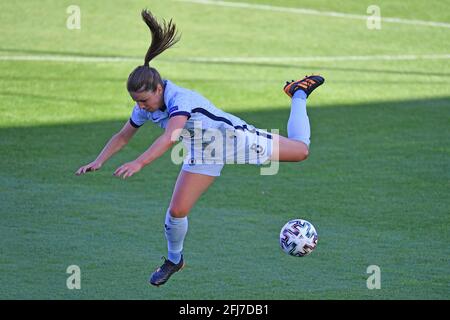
(376, 185)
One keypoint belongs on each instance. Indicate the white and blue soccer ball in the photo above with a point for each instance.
(298, 238)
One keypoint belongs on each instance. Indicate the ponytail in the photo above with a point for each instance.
(164, 36)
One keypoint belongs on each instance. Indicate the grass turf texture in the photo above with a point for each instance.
(375, 186)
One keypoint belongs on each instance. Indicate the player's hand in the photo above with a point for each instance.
(93, 166)
(128, 169)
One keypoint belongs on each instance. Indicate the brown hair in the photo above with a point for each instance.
(146, 78)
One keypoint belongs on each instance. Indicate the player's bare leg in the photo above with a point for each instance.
(288, 150)
(188, 189)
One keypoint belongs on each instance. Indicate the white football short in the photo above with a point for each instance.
(240, 146)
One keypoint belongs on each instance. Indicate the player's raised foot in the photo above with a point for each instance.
(163, 273)
(307, 84)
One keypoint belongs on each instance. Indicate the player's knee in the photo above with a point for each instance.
(178, 211)
(302, 153)
(305, 153)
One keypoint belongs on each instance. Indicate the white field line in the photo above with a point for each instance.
(262, 60)
(61, 58)
(317, 58)
(316, 12)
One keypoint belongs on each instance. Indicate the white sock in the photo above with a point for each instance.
(175, 230)
(298, 124)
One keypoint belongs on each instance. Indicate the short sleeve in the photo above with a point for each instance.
(137, 119)
(180, 106)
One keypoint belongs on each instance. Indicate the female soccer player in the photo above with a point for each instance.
(179, 110)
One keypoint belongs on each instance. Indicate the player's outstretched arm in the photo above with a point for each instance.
(156, 150)
(117, 142)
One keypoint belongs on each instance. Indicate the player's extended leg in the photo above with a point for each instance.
(296, 146)
(288, 150)
(188, 189)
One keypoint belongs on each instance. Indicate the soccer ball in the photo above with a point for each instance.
(298, 238)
